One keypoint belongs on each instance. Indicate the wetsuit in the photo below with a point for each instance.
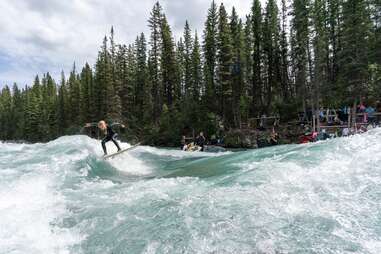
(110, 136)
(201, 142)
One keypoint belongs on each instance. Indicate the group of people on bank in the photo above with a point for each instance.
(344, 122)
(365, 113)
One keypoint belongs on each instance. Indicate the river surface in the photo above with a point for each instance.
(62, 197)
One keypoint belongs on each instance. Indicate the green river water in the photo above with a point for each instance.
(62, 197)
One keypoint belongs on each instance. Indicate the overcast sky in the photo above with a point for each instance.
(38, 36)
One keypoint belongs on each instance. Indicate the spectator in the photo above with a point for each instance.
(369, 111)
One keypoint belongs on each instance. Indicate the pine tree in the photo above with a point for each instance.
(114, 104)
(272, 78)
(18, 113)
(287, 91)
(196, 70)
(34, 112)
(248, 51)
(48, 123)
(188, 45)
(6, 113)
(299, 41)
(321, 45)
(210, 57)
(180, 58)
(103, 86)
(334, 23)
(155, 24)
(354, 54)
(256, 19)
(238, 54)
(127, 71)
(376, 14)
(225, 64)
(168, 65)
(143, 88)
(62, 117)
(87, 95)
(74, 96)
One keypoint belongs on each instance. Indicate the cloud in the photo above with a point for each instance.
(49, 35)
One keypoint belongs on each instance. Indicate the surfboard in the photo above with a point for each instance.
(120, 152)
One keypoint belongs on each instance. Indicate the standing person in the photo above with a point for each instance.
(200, 141)
(183, 143)
(110, 135)
(273, 138)
(369, 111)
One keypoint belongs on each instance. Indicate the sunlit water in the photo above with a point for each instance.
(61, 197)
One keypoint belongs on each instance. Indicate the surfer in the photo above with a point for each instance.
(110, 135)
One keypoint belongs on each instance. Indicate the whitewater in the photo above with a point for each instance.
(62, 197)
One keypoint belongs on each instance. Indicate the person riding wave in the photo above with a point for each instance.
(110, 135)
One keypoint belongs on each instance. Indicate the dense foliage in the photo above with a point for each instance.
(275, 61)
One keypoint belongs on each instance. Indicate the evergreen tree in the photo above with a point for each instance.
(354, 54)
(321, 45)
(6, 113)
(114, 104)
(168, 65)
(256, 91)
(272, 78)
(33, 112)
(196, 70)
(48, 123)
(155, 24)
(210, 57)
(74, 89)
(128, 61)
(334, 23)
(62, 116)
(180, 58)
(188, 45)
(248, 51)
(225, 64)
(287, 91)
(299, 40)
(143, 88)
(87, 95)
(103, 86)
(238, 67)
(18, 121)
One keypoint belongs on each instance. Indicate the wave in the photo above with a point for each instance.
(313, 198)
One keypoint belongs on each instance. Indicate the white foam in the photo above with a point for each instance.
(129, 164)
(29, 208)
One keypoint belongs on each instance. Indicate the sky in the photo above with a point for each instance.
(39, 36)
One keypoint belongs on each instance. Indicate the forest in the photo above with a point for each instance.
(280, 59)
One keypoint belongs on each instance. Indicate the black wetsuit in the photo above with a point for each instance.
(201, 142)
(110, 136)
